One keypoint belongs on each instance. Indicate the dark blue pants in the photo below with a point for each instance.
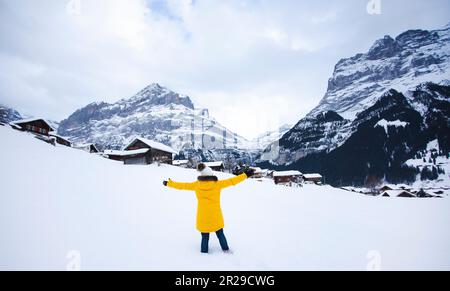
(220, 236)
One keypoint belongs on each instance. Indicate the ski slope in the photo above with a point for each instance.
(57, 201)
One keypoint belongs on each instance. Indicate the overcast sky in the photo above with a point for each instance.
(255, 64)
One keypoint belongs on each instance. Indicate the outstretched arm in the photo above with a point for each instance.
(181, 186)
(232, 181)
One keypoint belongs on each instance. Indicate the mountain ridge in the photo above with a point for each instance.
(155, 112)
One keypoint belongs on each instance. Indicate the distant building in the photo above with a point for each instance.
(90, 148)
(144, 151)
(423, 194)
(385, 188)
(35, 125)
(287, 177)
(258, 172)
(181, 163)
(269, 174)
(132, 157)
(397, 193)
(215, 166)
(313, 178)
(61, 140)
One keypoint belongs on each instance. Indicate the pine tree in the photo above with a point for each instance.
(434, 174)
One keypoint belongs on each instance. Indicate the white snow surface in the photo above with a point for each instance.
(120, 217)
(433, 145)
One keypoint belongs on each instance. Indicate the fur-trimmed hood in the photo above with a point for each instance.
(207, 178)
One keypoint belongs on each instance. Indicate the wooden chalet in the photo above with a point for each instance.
(143, 151)
(133, 157)
(258, 173)
(61, 140)
(37, 126)
(312, 178)
(385, 188)
(287, 177)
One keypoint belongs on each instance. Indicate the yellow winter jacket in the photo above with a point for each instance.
(209, 213)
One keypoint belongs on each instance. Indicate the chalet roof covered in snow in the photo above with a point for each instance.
(126, 153)
(312, 176)
(154, 145)
(62, 137)
(179, 162)
(86, 146)
(396, 193)
(213, 164)
(22, 121)
(258, 170)
(287, 173)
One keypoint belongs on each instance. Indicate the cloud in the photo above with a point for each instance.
(267, 59)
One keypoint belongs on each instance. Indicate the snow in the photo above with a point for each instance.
(385, 124)
(154, 145)
(122, 218)
(433, 145)
(287, 173)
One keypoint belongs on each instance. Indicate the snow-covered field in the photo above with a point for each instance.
(57, 204)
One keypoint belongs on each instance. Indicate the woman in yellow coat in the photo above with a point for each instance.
(209, 214)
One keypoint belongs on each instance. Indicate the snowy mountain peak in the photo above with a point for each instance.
(413, 57)
(155, 94)
(383, 48)
(155, 113)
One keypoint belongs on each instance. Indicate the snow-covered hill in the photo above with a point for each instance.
(59, 203)
(156, 113)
